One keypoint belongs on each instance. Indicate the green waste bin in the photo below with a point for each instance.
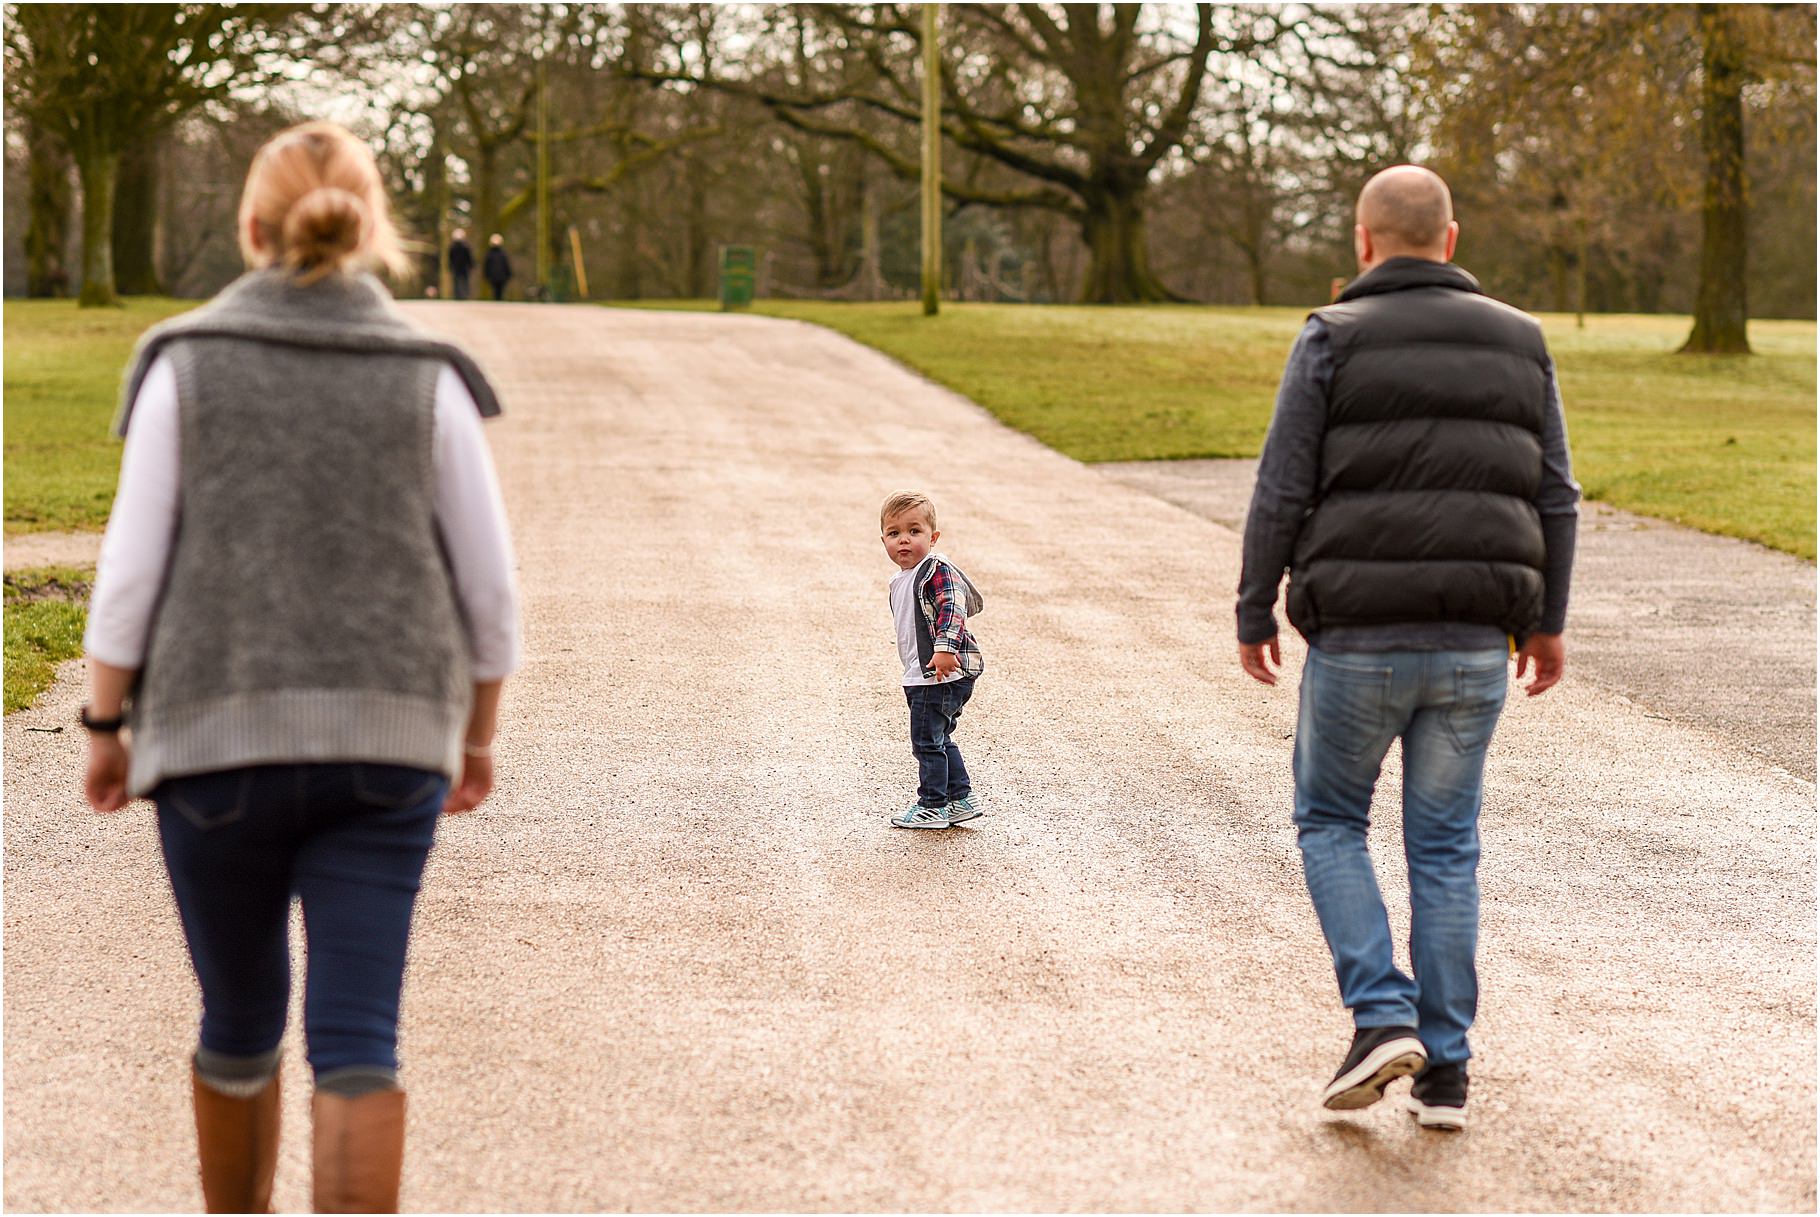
(738, 276)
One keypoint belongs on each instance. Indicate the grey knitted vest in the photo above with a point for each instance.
(307, 612)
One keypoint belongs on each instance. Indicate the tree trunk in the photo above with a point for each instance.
(486, 194)
(698, 264)
(99, 171)
(136, 220)
(629, 281)
(48, 200)
(1254, 266)
(1719, 303)
(1118, 271)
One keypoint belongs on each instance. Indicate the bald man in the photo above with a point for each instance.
(1416, 486)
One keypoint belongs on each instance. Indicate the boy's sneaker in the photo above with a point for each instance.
(918, 816)
(1378, 1057)
(1438, 1097)
(961, 810)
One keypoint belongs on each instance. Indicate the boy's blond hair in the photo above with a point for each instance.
(907, 500)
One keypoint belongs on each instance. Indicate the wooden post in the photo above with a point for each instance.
(543, 178)
(581, 271)
(932, 164)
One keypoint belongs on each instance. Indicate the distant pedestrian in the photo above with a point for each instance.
(930, 602)
(461, 264)
(1416, 484)
(305, 673)
(498, 267)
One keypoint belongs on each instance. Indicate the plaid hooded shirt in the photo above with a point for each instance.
(945, 598)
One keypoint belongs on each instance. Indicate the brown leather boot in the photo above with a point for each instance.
(237, 1146)
(359, 1151)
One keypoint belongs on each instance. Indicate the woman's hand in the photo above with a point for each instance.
(475, 784)
(105, 784)
(476, 751)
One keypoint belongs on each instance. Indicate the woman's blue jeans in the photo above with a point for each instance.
(1444, 705)
(350, 841)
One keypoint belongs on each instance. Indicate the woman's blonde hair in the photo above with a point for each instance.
(315, 193)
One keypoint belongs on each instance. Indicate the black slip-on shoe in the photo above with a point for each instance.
(1437, 1099)
(1378, 1057)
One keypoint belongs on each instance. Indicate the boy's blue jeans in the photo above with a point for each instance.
(1444, 705)
(934, 709)
(350, 840)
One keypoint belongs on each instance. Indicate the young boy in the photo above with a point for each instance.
(931, 600)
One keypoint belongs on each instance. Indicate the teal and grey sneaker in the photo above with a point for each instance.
(961, 810)
(918, 816)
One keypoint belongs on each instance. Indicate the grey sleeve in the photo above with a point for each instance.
(1289, 473)
(1558, 503)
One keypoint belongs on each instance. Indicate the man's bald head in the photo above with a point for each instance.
(1407, 210)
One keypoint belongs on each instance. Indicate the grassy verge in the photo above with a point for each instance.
(1722, 444)
(62, 383)
(46, 611)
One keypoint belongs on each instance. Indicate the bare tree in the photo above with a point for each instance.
(1582, 117)
(1080, 103)
(102, 77)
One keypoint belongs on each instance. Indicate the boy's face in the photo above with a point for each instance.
(908, 538)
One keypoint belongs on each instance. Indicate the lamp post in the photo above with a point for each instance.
(932, 165)
(543, 177)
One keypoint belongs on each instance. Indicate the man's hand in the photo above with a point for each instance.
(105, 784)
(475, 785)
(944, 664)
(1548, 655)
(1261, 659)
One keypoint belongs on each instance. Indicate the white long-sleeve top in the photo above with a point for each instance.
(469, 513)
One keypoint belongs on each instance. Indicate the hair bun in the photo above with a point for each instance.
(324, 229)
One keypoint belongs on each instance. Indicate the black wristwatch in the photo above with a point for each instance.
(100, 726)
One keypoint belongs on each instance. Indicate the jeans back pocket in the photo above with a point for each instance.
(1351, 705)
(391, 787)
(1478, 701)
(208, 800)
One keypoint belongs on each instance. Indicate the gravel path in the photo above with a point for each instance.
(680, 962)
(52, 549)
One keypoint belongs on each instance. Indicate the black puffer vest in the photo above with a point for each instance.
(1431, 459)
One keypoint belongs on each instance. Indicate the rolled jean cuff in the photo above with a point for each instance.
(239, 1077)
(352, 1081)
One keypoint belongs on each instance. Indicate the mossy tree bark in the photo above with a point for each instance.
(1720, 317)
(1118, 269)
(99, 169)
(49, 202)
(136, 219)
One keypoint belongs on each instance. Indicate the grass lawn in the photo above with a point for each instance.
(62, 384)
(45, 617)
(1724, 444)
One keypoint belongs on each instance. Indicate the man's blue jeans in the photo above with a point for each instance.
(349, 841)
(934, 710)
(1444, 705)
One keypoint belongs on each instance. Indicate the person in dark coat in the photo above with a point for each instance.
(461, 264)
(498, 267)
(1417, 486)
